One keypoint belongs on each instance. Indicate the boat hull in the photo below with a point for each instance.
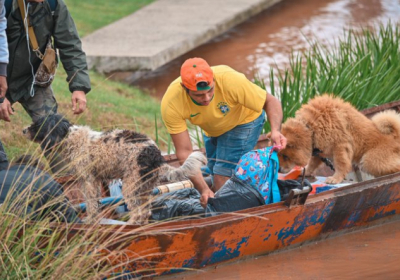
(171, 247)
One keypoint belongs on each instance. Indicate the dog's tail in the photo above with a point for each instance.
(388, 122)
(189, 168)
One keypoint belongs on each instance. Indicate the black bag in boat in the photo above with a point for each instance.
(234, 195)
(185, 202)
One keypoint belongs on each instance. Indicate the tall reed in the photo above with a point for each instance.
(363, 69)
(36, 241)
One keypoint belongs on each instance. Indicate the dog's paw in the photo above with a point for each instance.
(333, 180)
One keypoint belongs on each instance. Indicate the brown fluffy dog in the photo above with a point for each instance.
(95, 157)
(338, 131)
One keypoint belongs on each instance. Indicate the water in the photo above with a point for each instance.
(266, 41)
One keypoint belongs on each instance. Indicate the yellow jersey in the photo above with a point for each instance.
(236, 101)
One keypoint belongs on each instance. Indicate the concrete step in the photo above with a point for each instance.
(164, 30)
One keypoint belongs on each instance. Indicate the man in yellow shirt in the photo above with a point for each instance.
(230, 110)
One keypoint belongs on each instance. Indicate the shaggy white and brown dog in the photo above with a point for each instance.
(95, 157)
(328, 127)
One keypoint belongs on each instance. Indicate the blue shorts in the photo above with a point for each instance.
(223, 152)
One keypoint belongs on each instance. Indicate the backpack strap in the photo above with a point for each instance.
(31, 32)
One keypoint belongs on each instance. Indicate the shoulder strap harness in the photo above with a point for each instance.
(31, 32)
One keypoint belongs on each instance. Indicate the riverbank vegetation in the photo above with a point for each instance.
(363, 68)
(36, 242)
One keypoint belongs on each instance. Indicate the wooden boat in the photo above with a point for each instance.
(176, 246)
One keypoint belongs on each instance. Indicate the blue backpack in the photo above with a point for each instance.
(259, 169)
(8, 5)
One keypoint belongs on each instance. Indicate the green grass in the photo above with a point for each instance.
(110, 105)
(90, 15)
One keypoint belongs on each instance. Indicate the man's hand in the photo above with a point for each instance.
(78, 102)
(273, 108)
(206, 193)
(6, 110)
(183, 148)
(3, 86)
(278, 139)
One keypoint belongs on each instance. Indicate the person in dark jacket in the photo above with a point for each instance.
(58, 27)
(3, 52)
(27, 190)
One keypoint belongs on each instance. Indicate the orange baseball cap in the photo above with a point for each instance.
(196, 70)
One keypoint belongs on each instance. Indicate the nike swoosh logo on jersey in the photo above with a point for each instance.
(193, 115)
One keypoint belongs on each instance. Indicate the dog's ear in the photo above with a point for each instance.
(61, 126)
(297, 134)
(50, 130)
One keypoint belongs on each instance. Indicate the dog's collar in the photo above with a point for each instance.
(316, 153)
